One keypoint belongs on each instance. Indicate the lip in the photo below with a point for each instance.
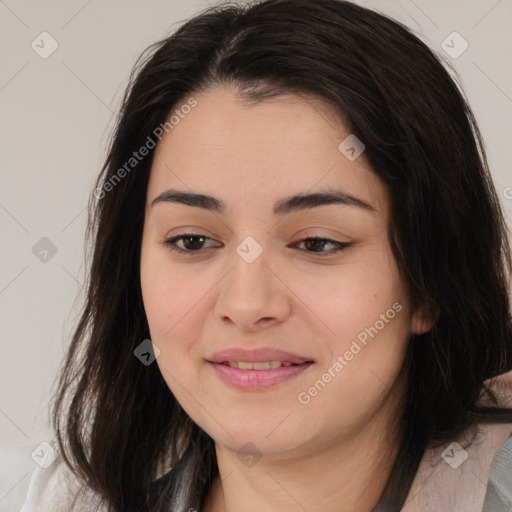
(257, 355)
(255, 380)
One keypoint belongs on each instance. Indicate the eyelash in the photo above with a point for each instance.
(170, 244)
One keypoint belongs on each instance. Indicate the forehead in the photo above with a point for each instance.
(284, 145)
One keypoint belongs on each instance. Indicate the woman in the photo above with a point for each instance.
(297, 301)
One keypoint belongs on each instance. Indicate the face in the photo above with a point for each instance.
(307, 282)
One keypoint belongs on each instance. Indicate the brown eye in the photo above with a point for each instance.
(191, 243)
(316, 244)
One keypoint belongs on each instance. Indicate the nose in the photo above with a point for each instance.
(252, 296)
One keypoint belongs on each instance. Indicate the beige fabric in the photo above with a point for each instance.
(452, 483)
(55, 488)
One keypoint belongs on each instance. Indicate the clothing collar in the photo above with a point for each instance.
(455, 478)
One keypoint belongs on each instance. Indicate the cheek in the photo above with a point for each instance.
(171, 309)
(155, 294)
(366, 310)
(175, 305)
(347, 299)
(167, 293)
(362, 365)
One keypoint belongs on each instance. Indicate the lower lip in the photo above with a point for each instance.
(255, 380)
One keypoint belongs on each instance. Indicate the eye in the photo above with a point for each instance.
(192, 242)
(316, 243)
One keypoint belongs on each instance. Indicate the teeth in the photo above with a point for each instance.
(267, 365)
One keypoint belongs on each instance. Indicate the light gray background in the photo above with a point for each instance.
(56, 116)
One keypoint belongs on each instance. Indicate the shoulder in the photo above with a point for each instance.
(53, 487)
(498, 497)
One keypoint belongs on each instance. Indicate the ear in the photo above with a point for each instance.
(423, 320)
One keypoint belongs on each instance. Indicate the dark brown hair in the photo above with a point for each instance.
(118, 425)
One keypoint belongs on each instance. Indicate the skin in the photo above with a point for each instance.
(315, 455)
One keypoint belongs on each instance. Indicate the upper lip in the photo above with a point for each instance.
(257, 355)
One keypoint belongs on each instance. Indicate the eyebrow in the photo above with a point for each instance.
(284, 206)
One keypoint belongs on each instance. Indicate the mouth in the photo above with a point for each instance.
(269, 355)
(266, 365)
(257, 369)
(248, 376)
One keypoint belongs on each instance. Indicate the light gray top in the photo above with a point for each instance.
(52, 489)
(498, 497)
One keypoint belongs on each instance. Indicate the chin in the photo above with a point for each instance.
(262, 437)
